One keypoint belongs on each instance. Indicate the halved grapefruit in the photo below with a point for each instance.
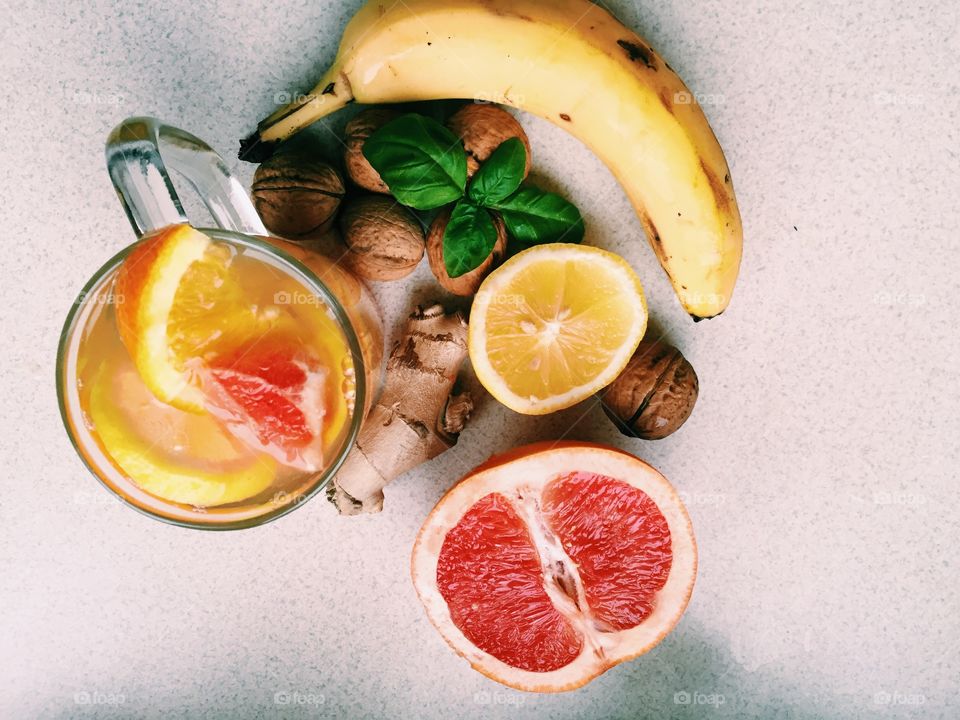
(548, 565)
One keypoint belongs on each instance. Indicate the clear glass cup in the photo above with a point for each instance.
(138, 153)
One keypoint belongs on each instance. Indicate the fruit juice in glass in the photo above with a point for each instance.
(249, 402)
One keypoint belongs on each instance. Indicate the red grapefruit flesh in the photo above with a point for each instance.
(618, 539)
(489, 574)
(270, 397)
(549, 565)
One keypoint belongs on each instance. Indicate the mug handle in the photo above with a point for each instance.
(138, 152)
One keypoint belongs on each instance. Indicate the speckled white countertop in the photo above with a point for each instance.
(820, 466)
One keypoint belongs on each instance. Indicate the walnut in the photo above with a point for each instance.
(469, 283)
(362, 126)
(655, 393)
(483, 127)
(296, 195)
(383, 240)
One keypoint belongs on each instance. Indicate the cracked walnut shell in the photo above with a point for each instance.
(655, 393)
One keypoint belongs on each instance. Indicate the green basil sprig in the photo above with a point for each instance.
(425, 167)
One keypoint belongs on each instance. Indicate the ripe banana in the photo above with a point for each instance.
(568, 61)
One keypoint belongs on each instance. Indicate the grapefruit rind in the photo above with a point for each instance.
(536, 465)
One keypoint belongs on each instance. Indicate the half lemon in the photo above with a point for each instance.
(555, 324)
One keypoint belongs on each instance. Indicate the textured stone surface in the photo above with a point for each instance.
(820, 465)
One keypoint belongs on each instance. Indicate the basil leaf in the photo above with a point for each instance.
(422, 162)
(534, 216)
(501, 173)
(468, 238)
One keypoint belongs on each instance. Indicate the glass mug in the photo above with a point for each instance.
(89, 381)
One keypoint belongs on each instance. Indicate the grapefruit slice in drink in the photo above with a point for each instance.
(548, 565)
(270, 394)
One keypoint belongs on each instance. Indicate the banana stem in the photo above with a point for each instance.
(332, 93)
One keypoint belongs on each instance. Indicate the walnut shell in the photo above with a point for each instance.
(483, 127)
(655, 393)
(362, 126)
(469, 283)
(383, 240)
(297, 196)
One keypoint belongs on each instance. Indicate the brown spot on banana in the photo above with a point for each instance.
(638, 51)
(653, 236)
(718, 187)
(666, 97)
(564, 116)
(508, 12)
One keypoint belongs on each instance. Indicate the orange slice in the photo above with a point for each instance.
(177, 301)
(555, 324)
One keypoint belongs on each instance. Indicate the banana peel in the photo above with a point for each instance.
(574, 64)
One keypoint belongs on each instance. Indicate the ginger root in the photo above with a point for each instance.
(418, 415)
